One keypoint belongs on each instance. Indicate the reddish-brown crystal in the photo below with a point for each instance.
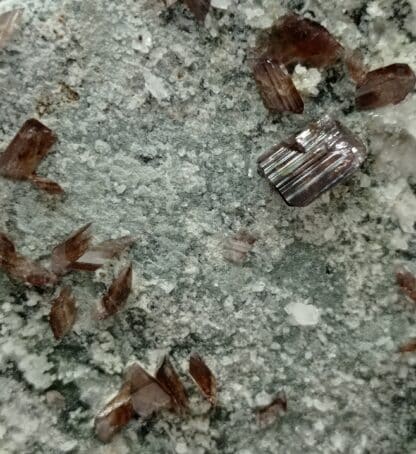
(203, 377)
(147, 394)
(96, 256)
(167, 376)
(65, 254)
(408, 347)
(268, 414)
(199, 8)
(407, 282)
(115, 415)
(276, 88)
(63, 313)
(22, 268)
(21, 158)
(116, 296)
(384, 86)
(357, 69)
(295, 39)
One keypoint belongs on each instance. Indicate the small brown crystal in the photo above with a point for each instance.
(8, 23)
(22, 268)
(199, 8)
(357, 69)
(115, 415)
(238, 246)
(203, 377)
(295, 39)
(384, 86)
(167, 376)
(21, 158)
(268, 414)
(116, 296)
(65, 254)
(276, 88)
(408, 347)
(63, 313)
(96, 256)
(407, 282)
(147, 394)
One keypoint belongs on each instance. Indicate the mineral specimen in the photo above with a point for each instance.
(8, 23)
(116, 296)
(115, 415)
(147, 394)
(407, 282)
(22, 268)
(167, 376)
(383, 86)
(408, 347)
(238, 246)
(295, 39)
(65, 254)
(203, 377)
(276, 88)
(199, 8)
(312, 161)
(268, 414)
(22, 157)
(96, 256)
(63, 313)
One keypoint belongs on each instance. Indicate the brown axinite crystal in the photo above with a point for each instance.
(407, 282)
(147, 394)
(63, 313)
(115, 415)
(22, 268)
(203, 377)
(268, 414)
(167, 376)
(199, 8)
(295, 39)
(96, 256)
(276, 88)
(408, 347)
(116, 296)
(384, 86)
(21, 158)
(70, 250)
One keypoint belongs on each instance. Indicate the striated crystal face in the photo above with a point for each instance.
(313, 161)
(384, 86)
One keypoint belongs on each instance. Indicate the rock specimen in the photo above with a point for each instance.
(116, 296)
(63, 313)
(8, 23)
(268, 414)
(65, 254)
(167, 376)
(199, 8)
(384, 86)
(309, 163)
(203, 377)
(22, 268)
(21, 158)
(295, 39)
(276, 88)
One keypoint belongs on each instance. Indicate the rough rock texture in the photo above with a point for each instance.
(159, 125)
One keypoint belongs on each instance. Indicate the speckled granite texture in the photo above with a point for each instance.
(159, 126)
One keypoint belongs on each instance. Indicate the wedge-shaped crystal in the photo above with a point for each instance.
(8, 23)
(25, 152)
(203, 378)
(384, 86)
(63, 313)
(276, 88)
(313, 161)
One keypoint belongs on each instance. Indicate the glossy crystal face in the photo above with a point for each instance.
(313, 161)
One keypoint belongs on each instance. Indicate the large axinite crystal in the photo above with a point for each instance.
(313, 161)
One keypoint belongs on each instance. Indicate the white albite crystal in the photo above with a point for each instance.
(307, 80)
(155, 85)
(303, 314)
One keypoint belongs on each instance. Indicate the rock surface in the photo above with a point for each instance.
(159, 125)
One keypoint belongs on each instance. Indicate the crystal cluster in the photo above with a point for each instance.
(313, 161)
